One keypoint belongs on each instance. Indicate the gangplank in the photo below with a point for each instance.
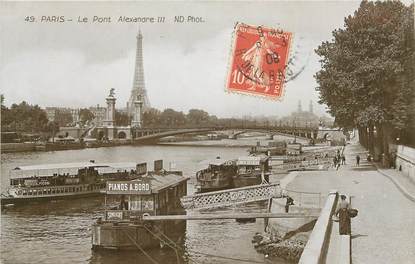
(232, 197)
(316, 164)
(226, 216)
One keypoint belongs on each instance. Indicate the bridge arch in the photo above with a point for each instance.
(101, 134)
(122, 135)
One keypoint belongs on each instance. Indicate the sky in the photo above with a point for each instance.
(75, 64)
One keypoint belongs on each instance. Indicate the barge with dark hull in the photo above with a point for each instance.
(251, 170)
(122, 227)
(217, 176)
(65, 180)
(273, 148)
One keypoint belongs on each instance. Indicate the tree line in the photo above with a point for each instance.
(27, 118)
(367, 75)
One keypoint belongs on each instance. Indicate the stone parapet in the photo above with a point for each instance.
(316, 248)
(405, 161)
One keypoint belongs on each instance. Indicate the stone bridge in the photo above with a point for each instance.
(151, 135)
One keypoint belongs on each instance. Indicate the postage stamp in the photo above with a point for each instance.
(258, 61)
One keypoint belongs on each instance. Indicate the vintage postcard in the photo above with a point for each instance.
(207, 132)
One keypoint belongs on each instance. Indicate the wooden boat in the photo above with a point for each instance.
(65, 180)
(251, 170)
(273, 148)
(217, 176)
(294, 149)
(122, 227)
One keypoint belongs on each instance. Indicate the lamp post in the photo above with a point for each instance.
(295, 130)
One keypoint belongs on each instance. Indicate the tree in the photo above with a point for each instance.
(122, 118)
(197, 117)
(172, 118)
(63, 118)
(85, 116)
(5, 116)
(151, 118)
(23, 118)
(367, 74)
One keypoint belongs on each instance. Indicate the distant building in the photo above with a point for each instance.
(99, 114)
(301, 118)
(75, 115)
(52, 112)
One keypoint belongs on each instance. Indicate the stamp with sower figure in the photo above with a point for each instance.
(258, 61)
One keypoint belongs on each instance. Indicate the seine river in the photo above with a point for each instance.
(60, 232)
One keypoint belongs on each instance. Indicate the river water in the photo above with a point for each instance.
(60, 231)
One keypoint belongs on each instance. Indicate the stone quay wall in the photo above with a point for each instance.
(316, 248)
(405, 161)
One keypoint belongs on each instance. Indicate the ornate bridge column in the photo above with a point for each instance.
(110, 111)
(136, 122)
(110, 115)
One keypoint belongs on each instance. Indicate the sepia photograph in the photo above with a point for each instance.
(181, 132)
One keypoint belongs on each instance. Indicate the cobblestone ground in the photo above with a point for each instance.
(384, 230)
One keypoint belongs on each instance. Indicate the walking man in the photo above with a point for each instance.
(343, 159)
(357, 160)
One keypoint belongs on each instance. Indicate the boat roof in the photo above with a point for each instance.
(49, 169)
(56, 166)
(251, 160)
(160, 182)
(219, 162)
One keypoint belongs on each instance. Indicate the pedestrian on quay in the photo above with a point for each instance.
(290, 201)
(343, 159)
(344, 218)
(357, 160)
(334, 162)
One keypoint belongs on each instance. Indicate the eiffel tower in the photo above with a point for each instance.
(139, 89)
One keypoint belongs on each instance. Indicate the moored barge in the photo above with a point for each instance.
(217, 176)
(65, 180)
(273, 148)
(251, 170)
(122, 227)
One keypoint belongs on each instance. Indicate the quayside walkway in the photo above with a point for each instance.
(383, 232)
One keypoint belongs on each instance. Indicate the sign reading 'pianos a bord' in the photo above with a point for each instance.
(138, 187)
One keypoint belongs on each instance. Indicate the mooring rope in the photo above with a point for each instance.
(162, 240)
(207, 254)
(140, 248)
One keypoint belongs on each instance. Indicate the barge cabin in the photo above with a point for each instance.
(217, 176)
(274, 148)
(66, 180)
(122, 227)
(251, 170)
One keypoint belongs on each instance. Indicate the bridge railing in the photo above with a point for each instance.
(234, 126)
(232, 196)
(305, 199)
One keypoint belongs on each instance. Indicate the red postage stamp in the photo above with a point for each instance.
(258, 61)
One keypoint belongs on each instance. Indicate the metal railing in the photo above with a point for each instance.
(305, 199)
(232, 196)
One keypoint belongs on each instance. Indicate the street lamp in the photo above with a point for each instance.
(295, 130)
